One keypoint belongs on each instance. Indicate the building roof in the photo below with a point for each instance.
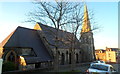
(98, 50)
(65, 37)
(35, 59)
(115, 49)
(107, 49)
(30, 38)
(24, 37)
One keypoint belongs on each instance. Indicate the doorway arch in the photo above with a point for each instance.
(11, 56)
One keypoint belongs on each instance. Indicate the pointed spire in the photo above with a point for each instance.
(86, 23)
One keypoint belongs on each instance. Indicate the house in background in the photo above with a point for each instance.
(107, 55)
(113, 49)
(100, 54)
(117, 53)
(110, 56)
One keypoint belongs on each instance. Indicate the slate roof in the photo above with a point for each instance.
(35, 59)
(24, 37)
(64, 37)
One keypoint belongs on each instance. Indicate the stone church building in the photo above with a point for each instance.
(34, 48)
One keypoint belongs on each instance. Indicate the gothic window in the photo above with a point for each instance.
(69, 58)
(79, 52)
(59, 52)
(76, 58)
(11, 57)
(62, 59)
(67, 53)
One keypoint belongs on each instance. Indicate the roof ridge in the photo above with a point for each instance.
(53, 27)
(24, 28)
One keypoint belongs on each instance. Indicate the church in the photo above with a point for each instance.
(34, 48)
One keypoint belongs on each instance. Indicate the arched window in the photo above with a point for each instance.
(59, 52)
(69, 58)
(62, 59)
(77, 58)
(11, 57)
(79, 52)
(67, 52)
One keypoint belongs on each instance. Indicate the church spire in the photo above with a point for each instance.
(86, 23)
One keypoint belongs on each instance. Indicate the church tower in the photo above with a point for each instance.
(87, 41)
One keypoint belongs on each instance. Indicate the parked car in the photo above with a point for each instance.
(102, 62)
(98, 61)
(101, 69)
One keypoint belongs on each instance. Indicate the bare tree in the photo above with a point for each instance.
(62, 15)
(77, 17)
(58, 14)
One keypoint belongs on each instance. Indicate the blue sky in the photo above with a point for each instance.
(12, 14)
(106, 15)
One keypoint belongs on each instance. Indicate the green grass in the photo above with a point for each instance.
(69, 72)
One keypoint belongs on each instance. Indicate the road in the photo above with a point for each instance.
(116, 67)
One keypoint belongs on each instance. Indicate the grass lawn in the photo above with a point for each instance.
(70, 72)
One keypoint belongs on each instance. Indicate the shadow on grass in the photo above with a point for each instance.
(71, 72)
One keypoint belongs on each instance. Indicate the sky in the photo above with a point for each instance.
(13, 14)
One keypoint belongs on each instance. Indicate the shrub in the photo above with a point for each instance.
(8, 66)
